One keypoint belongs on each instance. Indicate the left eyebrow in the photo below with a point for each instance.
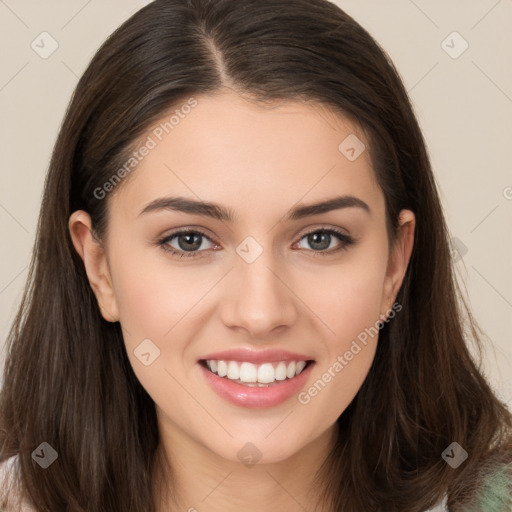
(219, 212)
(336, 203)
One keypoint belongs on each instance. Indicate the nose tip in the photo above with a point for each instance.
(260, 303)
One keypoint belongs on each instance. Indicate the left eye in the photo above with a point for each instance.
(321, 239)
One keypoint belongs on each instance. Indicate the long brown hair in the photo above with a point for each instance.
(67, 378)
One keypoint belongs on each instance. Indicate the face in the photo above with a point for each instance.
(262, 286)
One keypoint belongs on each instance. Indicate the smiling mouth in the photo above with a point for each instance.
(256, 375)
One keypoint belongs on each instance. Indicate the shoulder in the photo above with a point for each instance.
(495, 493)
(440, 507)
(9, 488)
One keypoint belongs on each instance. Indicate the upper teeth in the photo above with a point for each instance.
(264, 373)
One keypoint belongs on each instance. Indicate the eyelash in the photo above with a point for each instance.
(164, 242)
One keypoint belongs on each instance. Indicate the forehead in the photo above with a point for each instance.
(226, 149)
(276, 131)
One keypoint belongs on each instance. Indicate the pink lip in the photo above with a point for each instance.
(256, 356)
(256, 397)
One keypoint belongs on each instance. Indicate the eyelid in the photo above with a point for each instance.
(322, 227)
(188, 229)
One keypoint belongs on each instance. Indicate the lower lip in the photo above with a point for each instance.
(256, 397)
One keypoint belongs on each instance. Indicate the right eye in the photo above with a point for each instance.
(189, 242)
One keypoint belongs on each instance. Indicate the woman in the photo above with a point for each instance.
(241, 295)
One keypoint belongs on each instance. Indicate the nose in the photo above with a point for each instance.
(258, 298)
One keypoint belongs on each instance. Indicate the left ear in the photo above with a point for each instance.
(398, 259)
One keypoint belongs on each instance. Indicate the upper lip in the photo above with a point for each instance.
(256, 356)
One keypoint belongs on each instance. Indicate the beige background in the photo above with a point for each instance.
(464, 105)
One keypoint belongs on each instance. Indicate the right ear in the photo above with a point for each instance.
(95, 262)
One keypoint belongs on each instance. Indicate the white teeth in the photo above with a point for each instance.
(280, 371)
(300, 366)
(222, 368)
(233, 370)
(290, 371)
(265, 373)
(248, 372)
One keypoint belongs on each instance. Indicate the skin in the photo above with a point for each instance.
(259, 162)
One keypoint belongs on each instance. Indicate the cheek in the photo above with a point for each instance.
(348, 302)
(159, 302)
(347, 299)
(358, 304)
(348, 352)
(151, 296)
(154, 304)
